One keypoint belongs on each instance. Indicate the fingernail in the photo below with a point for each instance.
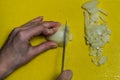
(65, 75)
(40, 18)
(54, 46)
(68, 74)
(58, 24)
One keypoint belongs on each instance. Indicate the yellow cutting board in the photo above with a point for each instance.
(47, 66)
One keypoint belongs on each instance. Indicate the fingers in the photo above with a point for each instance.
(28, 25)
(32, 23)
(36, 27)
(36, 50)
(65, 75)
(46, 28)
(50, 27)
(38, 19)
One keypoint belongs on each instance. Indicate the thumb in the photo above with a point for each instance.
(36, 50)
(65, 75)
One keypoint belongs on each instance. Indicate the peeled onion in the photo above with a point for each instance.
(58, 37)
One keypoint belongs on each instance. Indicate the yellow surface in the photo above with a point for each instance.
(47, 66)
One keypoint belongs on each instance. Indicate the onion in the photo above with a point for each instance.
(58, 37)
(97, 33)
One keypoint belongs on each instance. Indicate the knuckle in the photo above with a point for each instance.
(21, 35)
(44, 25)
(16, 30)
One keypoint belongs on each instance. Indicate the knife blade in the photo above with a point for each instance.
(64, 47)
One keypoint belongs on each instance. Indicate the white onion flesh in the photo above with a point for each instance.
(97, 33)
(58, 37)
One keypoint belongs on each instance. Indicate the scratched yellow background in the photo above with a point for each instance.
(47, 66)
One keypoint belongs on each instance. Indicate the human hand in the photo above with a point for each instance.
(65, 75)
(18, 51)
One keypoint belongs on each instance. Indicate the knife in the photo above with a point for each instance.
(64, 47)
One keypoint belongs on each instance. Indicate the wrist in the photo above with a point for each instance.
(5, 70)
